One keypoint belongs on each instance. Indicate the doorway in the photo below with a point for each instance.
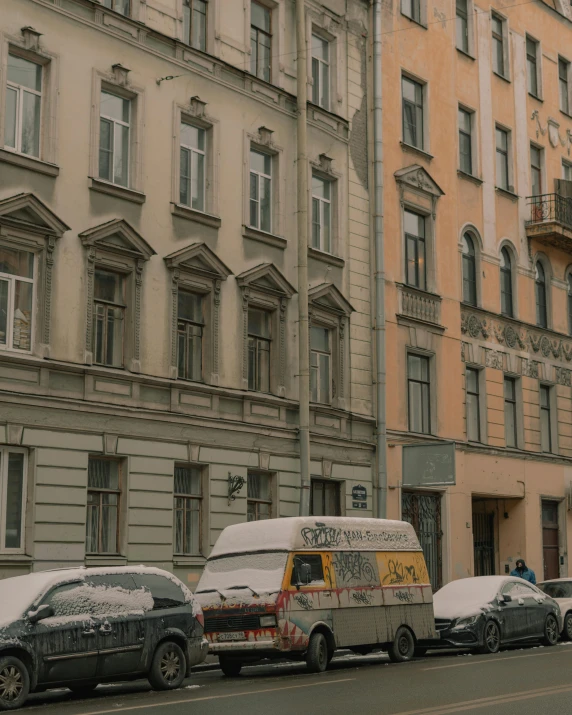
(423, 512)
(483, 538)
(550, 539)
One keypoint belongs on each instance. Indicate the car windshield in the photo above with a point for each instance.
(557, 589)
(261, 572)
(18, 593)
(473, 590)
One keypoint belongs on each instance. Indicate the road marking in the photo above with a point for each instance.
(214, 697)
(493, 659)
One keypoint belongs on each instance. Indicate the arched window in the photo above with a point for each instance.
(540, 290)
(506, 283)
(469, 270)
(570, 303)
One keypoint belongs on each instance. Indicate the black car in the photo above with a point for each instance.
(81, 627)
(485, 612)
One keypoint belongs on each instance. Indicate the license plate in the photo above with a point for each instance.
(237, 636)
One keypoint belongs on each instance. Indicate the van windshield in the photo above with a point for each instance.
(261, 572)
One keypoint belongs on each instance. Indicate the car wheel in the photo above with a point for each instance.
(567, 629)
(550, 631)
(14, 683)
(229, 666)
(82, 690)
(403, 646)
(317, 657)
(168, 668)
(491, 638)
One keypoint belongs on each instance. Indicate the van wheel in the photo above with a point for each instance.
(550, 631)
(14, 683)
(229, 666)
(317, 654)
(403, 646)
(168, 667)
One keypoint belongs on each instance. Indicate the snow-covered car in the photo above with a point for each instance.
(81, 627)
(560, 589)
(484, 612)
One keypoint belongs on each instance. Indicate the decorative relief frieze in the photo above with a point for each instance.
(563, 376)
(529, 368)
(494, 359)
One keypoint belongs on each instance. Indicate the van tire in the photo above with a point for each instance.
(317, 657)
(17, 673)
(403, 646)
(229, 666)
(169, 667)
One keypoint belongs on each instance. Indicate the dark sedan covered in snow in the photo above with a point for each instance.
(485, 612)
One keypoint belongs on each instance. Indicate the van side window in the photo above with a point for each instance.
(307, 568)
(166, 593)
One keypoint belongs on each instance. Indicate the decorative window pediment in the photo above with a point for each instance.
(119, 237)
(28, 212)
(198, 258)
(268, 279)
(417, 177)
(327, 296)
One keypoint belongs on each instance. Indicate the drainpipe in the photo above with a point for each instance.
(303, 323)
(379, 269)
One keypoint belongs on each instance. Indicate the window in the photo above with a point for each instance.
(258, 498)
(325, 498)
(109, 317)
(188, 497)
(260, 191)
(260, 41)
(502, 159)
(412, 112)
(469, 270)
(195, 23)
(415, 264)
(320, 365)
(498, 45)
(566, 171)
(473, 405)
(532, 66)
(259, 349)
(541, 296)
(320, 72)
(462, 21)
(411, 9)
(545, 419)
(190, 326)
(569, 283)
(510, 424)
(192, 179)
(314, 561)
(465, 141)
(564, 84)
(114, 138)
(321, 214)
(121, 6)
(506, 283)
(165, 593)
(418, 393)
(13, 468)
(103, 492)
(16, 299)
(535, 170)
(23, 106)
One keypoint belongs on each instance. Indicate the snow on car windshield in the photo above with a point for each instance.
(262, 572)
(18, 593)
(481, 589)
(557, 589)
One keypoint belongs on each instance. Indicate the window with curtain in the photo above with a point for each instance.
(192, 166)
(473, 406)
(510, 420)
(258, 497)
(195, 23)
(321, 214)
(103, 496)
(123, 7)
(16, 298)
(462, 25)
(469, 270)
(109, 317)
(419, 394)
(259, 349)
(260, 190)
(187, 509)
(541, 296)
(320, 72)
(190, 328)
(114, 138)
(412, 93)
(506, 283)
(22, 118)
(260, 41)
(415, 250)
(13, 468)
(320, 365)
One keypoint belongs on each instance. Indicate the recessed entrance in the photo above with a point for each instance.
(484, 546)
(550, 539)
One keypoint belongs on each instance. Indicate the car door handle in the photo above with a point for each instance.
(88, 632)
(105, 630)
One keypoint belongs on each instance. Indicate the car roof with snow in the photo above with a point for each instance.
(566, 579)
(325, 533)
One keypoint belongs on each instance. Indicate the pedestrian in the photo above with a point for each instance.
(522, 571)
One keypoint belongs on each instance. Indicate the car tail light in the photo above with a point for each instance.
(200, 618)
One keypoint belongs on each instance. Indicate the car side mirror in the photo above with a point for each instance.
(43, 611)
(505, 598)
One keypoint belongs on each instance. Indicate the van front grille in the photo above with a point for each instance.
(239, 622)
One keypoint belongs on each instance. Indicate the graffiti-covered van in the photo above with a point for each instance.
(301, 587)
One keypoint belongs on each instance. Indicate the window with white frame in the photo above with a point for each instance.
(502, 158)
(195, 23)
(320, 72)
(259, 349)
(109, 317)
(566, 171)
(260, 41)
(321, 213)
(114, 138)
(16, 298)
(13, 472)
(187, 510)
(103, 495)
(190, 327)
(564, 84)
(535, 170)
(413, 110)
(23, 121)
(462, 25)
(260, 190)
(532, 66)
(121, 6)
(320, 365)
(500, 57)
(192, 166)
(259, 496)
(419, 393)
(465, 141)
(411, 9)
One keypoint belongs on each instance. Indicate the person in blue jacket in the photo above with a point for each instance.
(522, 571)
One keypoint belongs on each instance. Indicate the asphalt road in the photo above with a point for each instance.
(531, 681)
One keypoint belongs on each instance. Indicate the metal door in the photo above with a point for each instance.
(550, 539)
(484, 543)
(423, 511)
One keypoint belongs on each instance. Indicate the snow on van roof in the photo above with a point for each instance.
(316, 533)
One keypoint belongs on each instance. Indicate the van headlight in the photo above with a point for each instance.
(464, 622)
(267, 621)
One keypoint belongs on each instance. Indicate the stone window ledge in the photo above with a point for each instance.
(469, 177)
(416, 150)
(29, 162)
(189, 560)
(190, 214)
(269, 238)
(120, 192)
(326, 257)
(105, 560)
(506, 193)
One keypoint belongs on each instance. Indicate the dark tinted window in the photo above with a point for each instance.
(166, 593)
(315, 562)
(121, 580)
(557, 590)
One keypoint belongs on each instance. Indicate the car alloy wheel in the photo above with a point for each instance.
(567, 630)
(170, 666)
(550, 631)
(491, 638)
(11, 683)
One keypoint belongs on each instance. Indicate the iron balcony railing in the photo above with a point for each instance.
(550, 207)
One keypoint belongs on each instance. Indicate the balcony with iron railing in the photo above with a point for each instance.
(550, 220)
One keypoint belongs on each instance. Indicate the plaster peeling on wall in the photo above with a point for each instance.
(358, 136)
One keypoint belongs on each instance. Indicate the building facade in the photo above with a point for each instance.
(148, 283)
(477, 168)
